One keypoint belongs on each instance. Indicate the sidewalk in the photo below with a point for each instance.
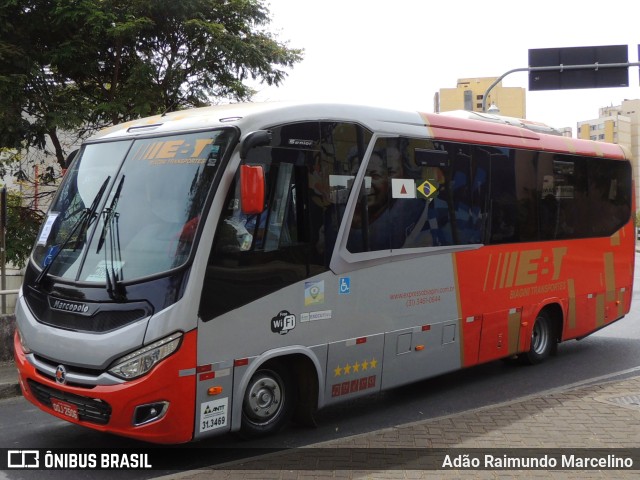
(603, 415)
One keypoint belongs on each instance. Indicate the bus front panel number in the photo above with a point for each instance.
(213, 414)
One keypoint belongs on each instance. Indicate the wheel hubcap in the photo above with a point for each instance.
(264, 399)
(539, 337)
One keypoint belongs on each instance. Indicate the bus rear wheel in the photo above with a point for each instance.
(543, 341)
(268, 402)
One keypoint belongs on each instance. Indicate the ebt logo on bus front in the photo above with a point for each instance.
(283, 322)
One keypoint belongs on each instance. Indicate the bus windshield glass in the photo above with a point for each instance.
(145, 222)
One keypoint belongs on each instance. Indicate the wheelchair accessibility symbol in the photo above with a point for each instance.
(345, 285)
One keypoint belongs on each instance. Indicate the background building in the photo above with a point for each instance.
(469, 93)
(617, 124)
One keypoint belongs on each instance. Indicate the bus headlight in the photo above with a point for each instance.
(141, 361)
(24, 346)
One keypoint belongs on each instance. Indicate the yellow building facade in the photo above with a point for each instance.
(469, 94)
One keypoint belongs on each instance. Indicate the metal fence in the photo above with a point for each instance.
(3, 293)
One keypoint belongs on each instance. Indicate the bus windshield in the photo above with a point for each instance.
(145, 222)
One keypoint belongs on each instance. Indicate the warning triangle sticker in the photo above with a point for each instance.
(403, 188)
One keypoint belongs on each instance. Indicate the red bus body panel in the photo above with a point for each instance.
(163, 383)
(507, 286)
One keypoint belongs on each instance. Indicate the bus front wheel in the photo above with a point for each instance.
(543, 341)
(268, 401)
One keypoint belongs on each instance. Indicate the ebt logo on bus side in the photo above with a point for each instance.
(283, 322)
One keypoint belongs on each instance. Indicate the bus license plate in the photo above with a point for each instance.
(64, 408)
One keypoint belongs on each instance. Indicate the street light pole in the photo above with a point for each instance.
(559, 68)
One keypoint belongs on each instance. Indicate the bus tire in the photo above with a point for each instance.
(543, 341)
(268, 401)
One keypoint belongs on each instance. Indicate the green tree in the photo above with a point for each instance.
(79, 65)
(83, 64)
(23, 224)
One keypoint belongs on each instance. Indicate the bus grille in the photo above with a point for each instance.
(110, 317)
(42, 361)
(89, 409)
(100, 322)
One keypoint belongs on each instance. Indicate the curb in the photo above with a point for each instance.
(9, 384)
(9, 390)
(7, 327)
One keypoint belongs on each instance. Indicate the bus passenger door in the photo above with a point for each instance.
(500, 335)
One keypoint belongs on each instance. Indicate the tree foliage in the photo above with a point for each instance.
(83, 64)
(23, 224)
(69, 67)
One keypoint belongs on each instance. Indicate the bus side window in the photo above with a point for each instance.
(513, 205)
(457, 213)
(609, 191)
(421, 193)
(563, 197)
(503, 210)
(370, 224)
(388, 214)
(469, 185)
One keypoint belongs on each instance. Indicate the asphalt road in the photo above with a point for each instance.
(613, 351)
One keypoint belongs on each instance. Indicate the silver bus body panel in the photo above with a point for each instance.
(256, 116)
(179, 317)
(77, 348)
(359, 331)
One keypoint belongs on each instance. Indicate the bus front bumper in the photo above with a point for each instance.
(157, 407)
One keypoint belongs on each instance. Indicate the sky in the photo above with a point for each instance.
(400, 53)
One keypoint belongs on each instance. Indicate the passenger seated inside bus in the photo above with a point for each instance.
(434, 206)
(382, 222)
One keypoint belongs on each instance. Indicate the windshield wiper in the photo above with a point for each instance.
(115, 289)
(85, 220)
(109, 214)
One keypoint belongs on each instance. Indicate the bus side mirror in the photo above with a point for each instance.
(251, 189)
(259, 138)
(70, 157)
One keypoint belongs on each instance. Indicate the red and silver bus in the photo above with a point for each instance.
(236, 267)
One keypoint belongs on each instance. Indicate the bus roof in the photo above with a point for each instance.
(466, 127)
